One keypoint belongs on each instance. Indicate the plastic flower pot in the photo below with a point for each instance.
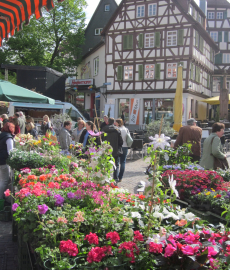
(1, 204)
(49, 265)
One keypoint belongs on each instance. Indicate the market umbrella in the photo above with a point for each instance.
(214, 100)
(178, 101)
(14, 12)
(14, 93)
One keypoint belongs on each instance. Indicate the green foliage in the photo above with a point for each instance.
(53, 41)
(154, 127)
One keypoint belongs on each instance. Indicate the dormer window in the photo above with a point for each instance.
(98, 31)
(107, 7)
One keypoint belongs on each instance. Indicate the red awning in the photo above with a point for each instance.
(14, 12)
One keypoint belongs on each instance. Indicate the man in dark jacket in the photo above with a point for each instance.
(114, 138)
(105, 123)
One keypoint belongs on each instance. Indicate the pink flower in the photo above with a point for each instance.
(169, 250)
(92, 238)
(113, 236)
(211, 252)
(68, 247)
(96, 254)
(62, 220)
(7, 193)
(188, 250)
(214, 263)
(138, 236)
(155, 248)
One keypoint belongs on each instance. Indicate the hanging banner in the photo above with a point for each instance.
(135, 111)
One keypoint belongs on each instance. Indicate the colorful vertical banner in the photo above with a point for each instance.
(135, 111)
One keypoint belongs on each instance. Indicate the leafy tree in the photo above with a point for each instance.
(53, 41)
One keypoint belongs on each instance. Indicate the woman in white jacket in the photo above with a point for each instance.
(122, 158)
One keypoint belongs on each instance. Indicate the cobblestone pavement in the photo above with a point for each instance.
(134, 173)
(7, 247)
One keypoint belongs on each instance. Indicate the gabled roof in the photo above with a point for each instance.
(218, 3)
(183, 6)
(99, 20)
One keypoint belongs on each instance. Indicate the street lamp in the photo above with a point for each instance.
(103, 91)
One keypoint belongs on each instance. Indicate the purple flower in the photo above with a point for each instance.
(49, 193)
(59, 200)
(70, 195)
(42, 209)
(27, 194)
(15, 206)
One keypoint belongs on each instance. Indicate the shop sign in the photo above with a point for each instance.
(135, 110)
(81, 82)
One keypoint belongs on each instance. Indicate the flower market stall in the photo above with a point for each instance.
(71, 215)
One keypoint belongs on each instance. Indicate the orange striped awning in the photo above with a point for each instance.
(14, 12)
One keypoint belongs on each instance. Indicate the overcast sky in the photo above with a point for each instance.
(92, 4)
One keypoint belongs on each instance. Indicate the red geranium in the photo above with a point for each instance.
(92, 238)
(96, 254)
(68, 247)
(138, 236)
(130, 249)
(155, 248)
(113, 236)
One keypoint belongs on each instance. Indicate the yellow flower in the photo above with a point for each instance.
(69, 157)
(214, 196)
(198, 193)
(208, 193)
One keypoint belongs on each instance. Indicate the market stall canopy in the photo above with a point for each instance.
(214, 100)
(11, 92)
(14, 12)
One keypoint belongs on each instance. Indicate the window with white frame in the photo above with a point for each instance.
(107, 7)
(226, 58)
(152, 10)
(98, 31)
(220, 15)
(149, 71)
(214, 36)
(171, 70)
(149, 40)
(95, 66)
(190, 10)
(128, 72)
(211, 15)
(172, 38)
(140, 11)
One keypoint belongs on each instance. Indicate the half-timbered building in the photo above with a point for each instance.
(145, 41)
(218, 26)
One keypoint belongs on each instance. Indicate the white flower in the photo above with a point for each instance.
(159, 141)
(172, 184)
(189, 216)
(135, 215)
(157, 239)
(171, 215)
(158, 215)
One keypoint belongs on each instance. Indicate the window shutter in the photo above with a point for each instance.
(157, 71)
(225, 14)
(141, 73)
(191, 74)
(196, 74)
(201, 45)
(180, 37)
(196, 36)
(218, 58)
(141, 41)
(119, 73)
(208, 80)
(225, 36)
(125, 42)
(130, 42)
(220, 36)
(157, 39)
